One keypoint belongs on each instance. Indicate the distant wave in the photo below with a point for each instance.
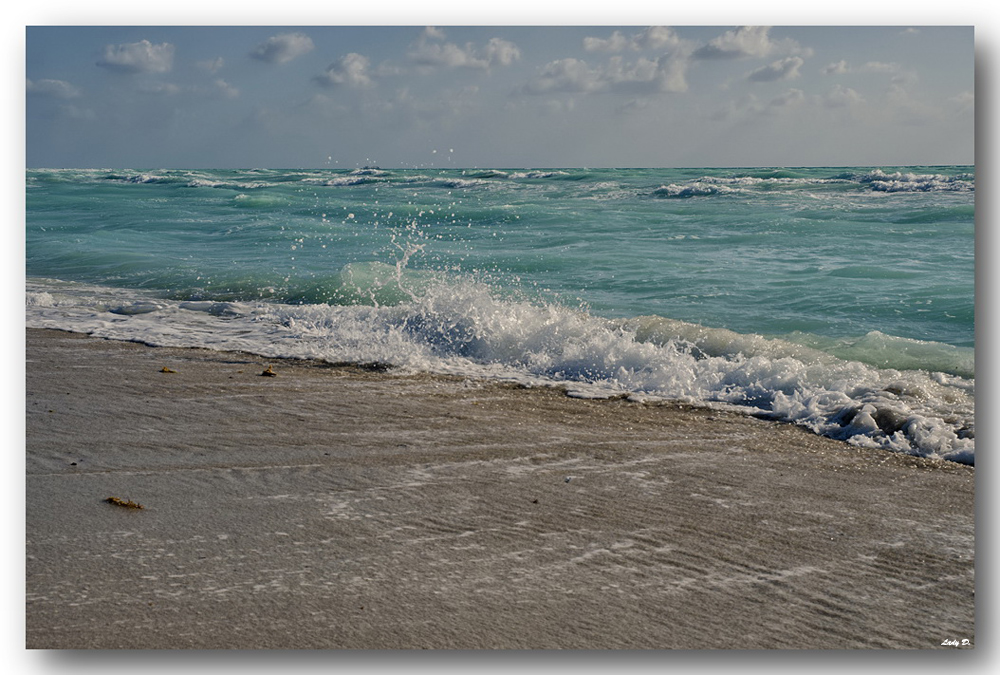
(899, 182)
(348, 180)
(876, 181)
(698, 188)
(881, 181)
(141, 178)
(226, 184)
(460, 183)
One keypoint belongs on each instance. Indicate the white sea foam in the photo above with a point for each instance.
(694, 189)
(227, 184)
(463, 327)
(461, 183)
(537, 174)
(139, 178)
(877, 180)
(913, 182)
(359, 179)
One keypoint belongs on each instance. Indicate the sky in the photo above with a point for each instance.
(501, 95)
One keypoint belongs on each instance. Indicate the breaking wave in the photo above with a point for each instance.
(858, 391)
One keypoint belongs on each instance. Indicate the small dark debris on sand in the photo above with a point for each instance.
(128, 504)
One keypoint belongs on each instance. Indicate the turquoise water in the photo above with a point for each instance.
(838, 298)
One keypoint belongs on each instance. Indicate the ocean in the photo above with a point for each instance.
(839, 299)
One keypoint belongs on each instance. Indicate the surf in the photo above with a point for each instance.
(460, 326)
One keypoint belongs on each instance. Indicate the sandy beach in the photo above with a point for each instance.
(348, 507)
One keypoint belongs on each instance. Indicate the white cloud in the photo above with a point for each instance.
(749, 41)
(138, 57)
(617, 42)
(52, 89)
(501, 52)
(450, 55)
(654, 37)
(672, 74)
(565, 75)
(838, 68)
(658, 37)
(880, 67)
(742, 42)
(283, 48)
(226, 89)
(643, 74)
(211, 65)
(783, 69)
(350, 70)
(432, 33)
(842, 97)
(572, 75)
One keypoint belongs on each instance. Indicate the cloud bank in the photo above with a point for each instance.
(351, 70)
(138, 57)
(283, 48)
(53, 88)
(431, 51)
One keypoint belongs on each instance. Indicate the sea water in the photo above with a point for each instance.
(840, 299)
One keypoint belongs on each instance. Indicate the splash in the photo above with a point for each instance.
(461, 326)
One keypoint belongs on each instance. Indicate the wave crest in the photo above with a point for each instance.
(430, 323)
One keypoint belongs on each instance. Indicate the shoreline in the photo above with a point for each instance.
(343, 507)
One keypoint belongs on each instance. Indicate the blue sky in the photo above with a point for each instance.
(498, 95)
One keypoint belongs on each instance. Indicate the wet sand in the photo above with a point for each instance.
(339, 507)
